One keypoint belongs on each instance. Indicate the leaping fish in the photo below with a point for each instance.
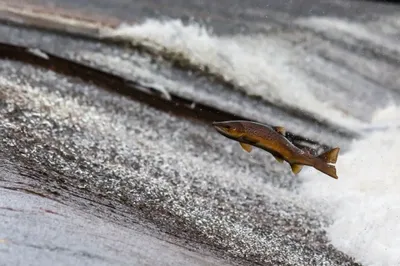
(273, 140)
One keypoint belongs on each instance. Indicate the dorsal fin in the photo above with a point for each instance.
(280, 130)
(296, 168)
(246, 147)
(330, 156)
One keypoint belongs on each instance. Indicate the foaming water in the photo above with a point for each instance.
(369, 32)
(261, 65)
(364, 202)
(387, 118)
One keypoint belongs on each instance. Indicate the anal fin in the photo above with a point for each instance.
(296, 168)
(246, 147)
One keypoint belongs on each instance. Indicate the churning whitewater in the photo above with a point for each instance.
(362, 203)
(325, 76)
(260, 65)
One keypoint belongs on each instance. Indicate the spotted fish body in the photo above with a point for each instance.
(273, 140)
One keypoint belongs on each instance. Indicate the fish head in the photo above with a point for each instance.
(231, 129)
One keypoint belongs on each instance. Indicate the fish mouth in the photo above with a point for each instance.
(219, 127)
(223, 129)
(228, 130)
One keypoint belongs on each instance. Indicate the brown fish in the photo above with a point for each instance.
(273, 140)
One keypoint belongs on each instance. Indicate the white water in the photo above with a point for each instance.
(265, 66)
(365, 32)
(364, 202)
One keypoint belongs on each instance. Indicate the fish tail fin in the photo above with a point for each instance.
(330, 156)
(326, 169)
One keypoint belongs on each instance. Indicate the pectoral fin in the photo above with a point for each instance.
(280, 130)
(246, 147)
(279, 159)
(296, 168)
